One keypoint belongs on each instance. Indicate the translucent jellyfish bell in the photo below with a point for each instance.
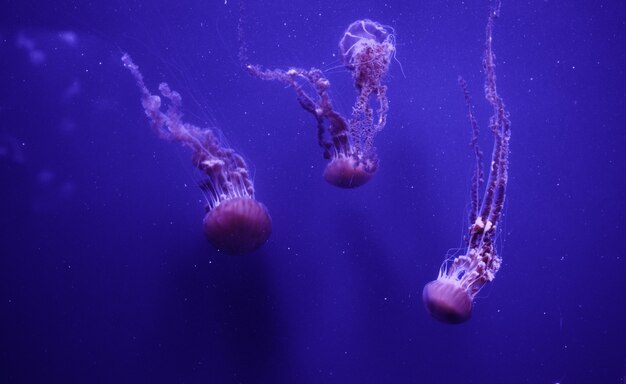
(359, 36)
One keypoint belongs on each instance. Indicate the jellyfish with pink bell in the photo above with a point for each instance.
(449, 298)
(234, 221)
(366, 50)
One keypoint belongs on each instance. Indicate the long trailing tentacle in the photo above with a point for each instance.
(477, 178)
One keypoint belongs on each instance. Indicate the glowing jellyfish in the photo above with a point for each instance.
(234, 223)
(366, 49)
(449, 298)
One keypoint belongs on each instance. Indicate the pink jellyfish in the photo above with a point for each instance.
(234, 223)
(366, 50)
(449, 298)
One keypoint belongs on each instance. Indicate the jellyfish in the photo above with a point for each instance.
(366, 49)
(234, 221)
(449, 298)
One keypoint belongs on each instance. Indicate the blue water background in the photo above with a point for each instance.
(105, 276)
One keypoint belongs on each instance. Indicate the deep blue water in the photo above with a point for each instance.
(105, 274)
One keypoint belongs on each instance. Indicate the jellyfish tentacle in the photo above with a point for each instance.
(477, 178)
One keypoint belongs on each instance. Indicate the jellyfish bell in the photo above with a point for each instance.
(237, 226)
(360, 35)
(347, 172)
(447, 302)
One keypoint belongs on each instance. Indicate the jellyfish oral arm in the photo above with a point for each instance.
(366, 49)
(500, 127)
(477, 178)
(332, 128)
(226, 170)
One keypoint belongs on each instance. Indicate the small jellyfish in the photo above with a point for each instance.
(449, 297)
(235, 222)
(366, 49)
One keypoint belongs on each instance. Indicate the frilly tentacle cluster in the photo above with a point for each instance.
(226, 171)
